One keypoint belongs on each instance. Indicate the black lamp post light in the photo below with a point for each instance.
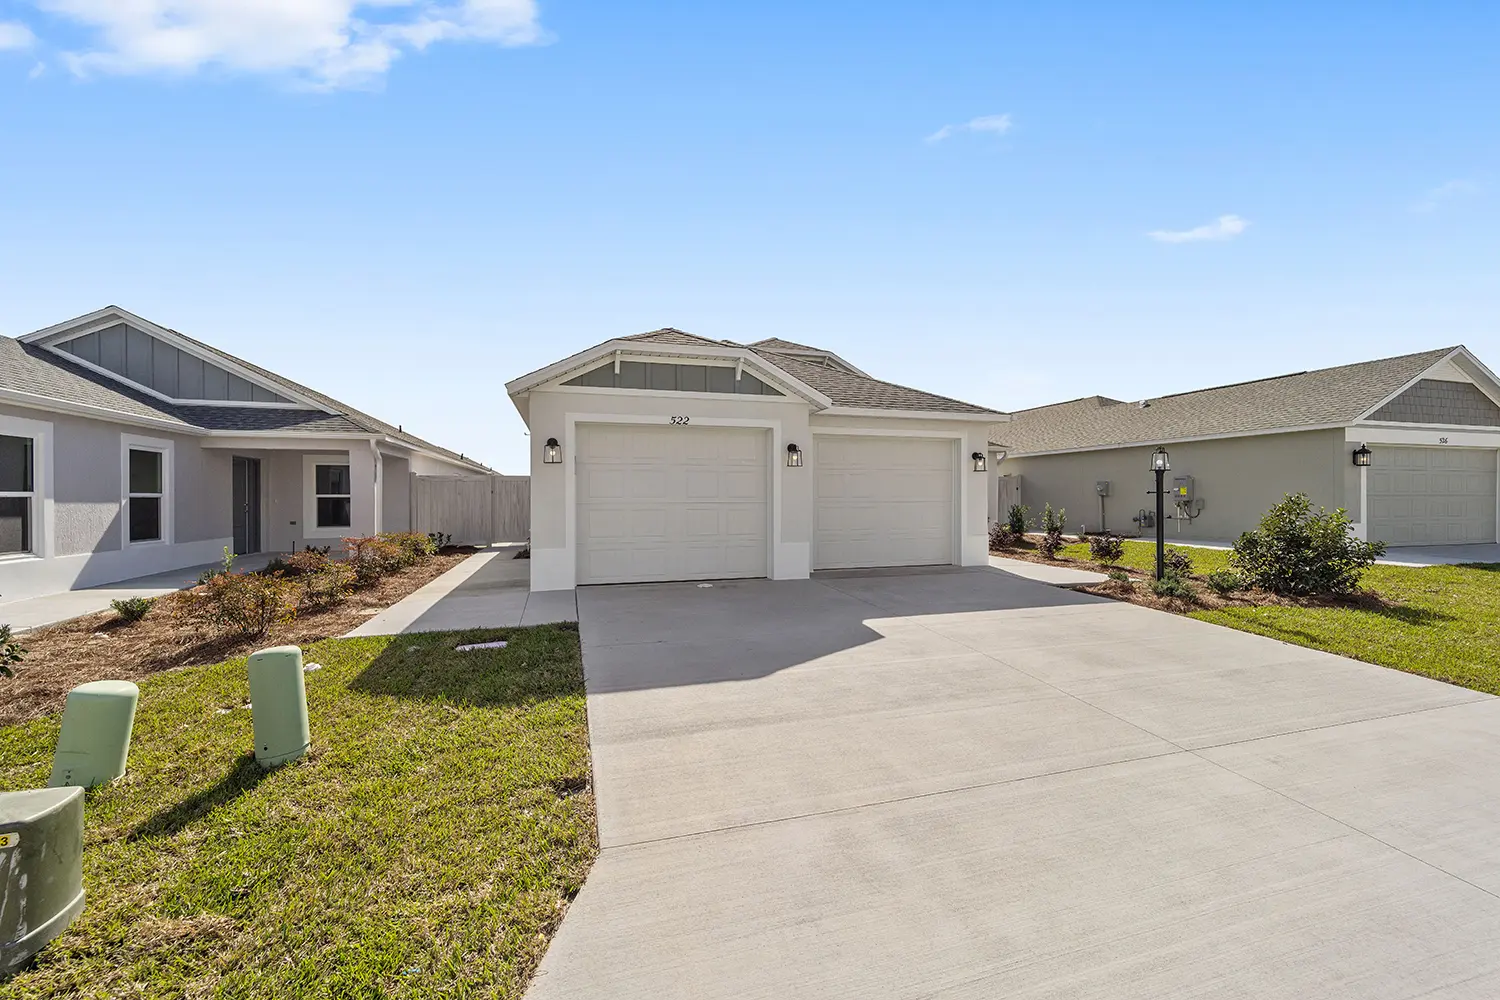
(1161, 464)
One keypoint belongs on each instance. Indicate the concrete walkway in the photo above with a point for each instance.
(1054, 576)
(487, 590)
(967, 785)
(49, 609)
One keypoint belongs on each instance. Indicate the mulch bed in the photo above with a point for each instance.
(101, 646)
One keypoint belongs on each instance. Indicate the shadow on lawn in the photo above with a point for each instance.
(1486, 567)
(244, 776)
(537, 664)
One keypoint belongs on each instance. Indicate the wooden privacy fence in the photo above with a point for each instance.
(475, 510)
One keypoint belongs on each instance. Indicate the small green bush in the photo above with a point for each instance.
(414, 547)
(1002, 537)
(372, 558)
(1172, 585)
(440, 541)
(1106, 548)
(132, 609)
(1224, 582)
(11, 652)
(1052, 531)
(1298, 553)
(1018, 518)
(325, 586)
(241, 603)
(1178, 563)
(1119, 576)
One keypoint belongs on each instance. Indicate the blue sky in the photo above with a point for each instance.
(405, 204)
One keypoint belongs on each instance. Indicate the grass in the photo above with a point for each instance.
(426, 847)
(1438, 621)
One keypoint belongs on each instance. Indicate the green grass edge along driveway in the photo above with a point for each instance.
(1445, 625)
(427, 847)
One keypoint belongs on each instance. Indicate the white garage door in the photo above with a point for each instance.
(883, 501)
(671, 503)
(1432, 496)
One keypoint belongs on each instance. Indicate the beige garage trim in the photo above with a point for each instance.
(658, 503)
(883, 501)
(1432, 496)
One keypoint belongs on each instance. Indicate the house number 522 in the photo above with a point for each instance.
(679, 420)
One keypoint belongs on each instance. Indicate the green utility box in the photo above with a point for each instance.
(41, 870)
(95, 737)
(278, 701)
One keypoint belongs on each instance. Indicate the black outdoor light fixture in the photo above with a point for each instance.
(551, 452)
(1161, 464)
(793, 457)
(978, 458)
(1362, 456)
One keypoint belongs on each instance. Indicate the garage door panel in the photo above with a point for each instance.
(883, 501)
(671, 503)
(1432, 496)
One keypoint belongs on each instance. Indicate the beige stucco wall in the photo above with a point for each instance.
(556, 412)
(396, 478)
(1238, 479)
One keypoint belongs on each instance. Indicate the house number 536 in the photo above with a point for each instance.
(679, 420)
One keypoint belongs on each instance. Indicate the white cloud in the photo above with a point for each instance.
(1444, 193)
(1225, 227)
(997, 124)
(325, 43)
(14, 36)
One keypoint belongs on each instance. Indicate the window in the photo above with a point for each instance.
(144, 501)
(331, 495)
(17, 492)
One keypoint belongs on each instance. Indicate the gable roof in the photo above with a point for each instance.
(32, 370)
(1323, 398)
(837, 384)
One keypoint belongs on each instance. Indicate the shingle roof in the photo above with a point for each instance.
(32, 369)
(669, 335)
(777, 344)
(1328, 396)
(848, 388)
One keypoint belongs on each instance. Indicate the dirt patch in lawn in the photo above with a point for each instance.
(102, 646)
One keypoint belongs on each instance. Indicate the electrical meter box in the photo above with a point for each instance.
(1102, 487)
(1182, 489)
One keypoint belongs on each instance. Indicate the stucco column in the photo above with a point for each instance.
(364, 482)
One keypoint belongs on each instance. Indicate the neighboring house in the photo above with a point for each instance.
(1431, 422)
(128, 449)
(667, 456)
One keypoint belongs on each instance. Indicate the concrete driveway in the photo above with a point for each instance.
(962, 784)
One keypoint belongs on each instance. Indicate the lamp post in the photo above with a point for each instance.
(1161, 464)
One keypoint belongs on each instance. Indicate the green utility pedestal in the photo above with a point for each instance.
(279, 703)
(41, 870)
(95, 737)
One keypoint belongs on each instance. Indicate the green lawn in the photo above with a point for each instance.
(1446, 622)
(427, 847)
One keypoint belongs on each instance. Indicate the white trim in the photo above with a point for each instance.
(50, 404)
(165, 448)
(42, 528)
(983, 417)
(780, 563)
(310, 526)
(804, 352)
(1154, 442)
(961, 495)
(111, 315)
(1427, 436)
(1362, 528)
(601, 390)
(1462, 352)
(1428, 427)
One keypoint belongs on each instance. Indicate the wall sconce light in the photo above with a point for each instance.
(551, 452)
(979, 464)
(793, 457)
(1362, 456)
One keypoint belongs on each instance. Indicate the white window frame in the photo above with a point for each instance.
(164, 447)
(310, 528)
(40, 434)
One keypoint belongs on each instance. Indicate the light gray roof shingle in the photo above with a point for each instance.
(1328, 396)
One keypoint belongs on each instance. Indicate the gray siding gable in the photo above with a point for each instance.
(1432, 401)
(147, 361)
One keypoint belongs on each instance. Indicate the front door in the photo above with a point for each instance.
(246, 505)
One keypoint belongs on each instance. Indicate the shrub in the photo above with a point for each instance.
(1298, 553)
(1002, 537)
(414, 547)
(11, 652)
(372, 558)
(1106, 548)
(226, 565)
(1224, 582)
(1119, 576)
(243, 603)
(306, 561)
(325, 586)
(1178, 563)
(1173, 585)
(132, 609)
(1018, 518)
(439, 540)
(1052, 531)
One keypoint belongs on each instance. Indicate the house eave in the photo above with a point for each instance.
(1154, 442)
(987, 416)
(52, 404)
